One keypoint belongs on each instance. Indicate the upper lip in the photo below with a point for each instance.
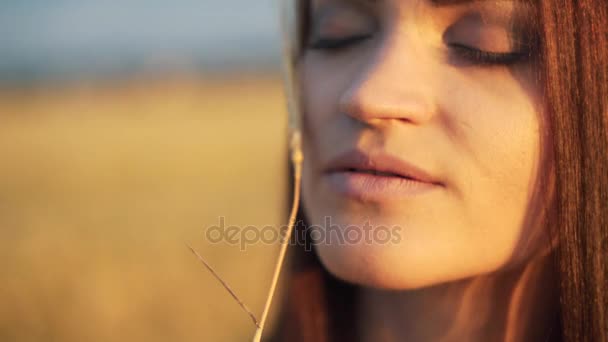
(358, 160)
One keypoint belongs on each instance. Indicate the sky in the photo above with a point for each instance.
(56, 37)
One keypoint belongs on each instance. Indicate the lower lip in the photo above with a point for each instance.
(367, 186)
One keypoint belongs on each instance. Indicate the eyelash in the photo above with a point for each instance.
(476, 56)
(336, 44)
(481, 57)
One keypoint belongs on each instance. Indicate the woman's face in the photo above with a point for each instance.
(423, 149)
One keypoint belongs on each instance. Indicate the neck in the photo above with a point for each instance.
(515, 305)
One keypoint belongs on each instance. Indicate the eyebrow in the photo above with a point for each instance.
(437, 3)
(363, 3)
(434, 2)
(450, 2)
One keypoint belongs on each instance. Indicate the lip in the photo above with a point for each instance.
(378, 176)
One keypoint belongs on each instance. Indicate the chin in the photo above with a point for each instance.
(398, 266)
(372, 266)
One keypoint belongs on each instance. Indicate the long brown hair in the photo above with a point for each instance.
(573, 54)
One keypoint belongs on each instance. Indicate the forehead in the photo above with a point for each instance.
(498, 9)
(431, 3)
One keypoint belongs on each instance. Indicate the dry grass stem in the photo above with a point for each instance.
(225, 285)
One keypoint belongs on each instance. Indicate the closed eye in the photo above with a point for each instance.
(323, 43)
(471, 55)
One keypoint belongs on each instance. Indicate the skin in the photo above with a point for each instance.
(475, 245)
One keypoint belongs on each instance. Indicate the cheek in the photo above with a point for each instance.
(322, 83)
(318, 98)
(326, 78)
(499, 151)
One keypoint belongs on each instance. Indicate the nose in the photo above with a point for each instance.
(394, 83)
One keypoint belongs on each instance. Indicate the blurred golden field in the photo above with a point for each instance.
(103, 184)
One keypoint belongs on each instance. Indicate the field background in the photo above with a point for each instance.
(103, 183)
(127, 129)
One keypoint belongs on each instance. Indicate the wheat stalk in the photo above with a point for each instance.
(225, 285)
